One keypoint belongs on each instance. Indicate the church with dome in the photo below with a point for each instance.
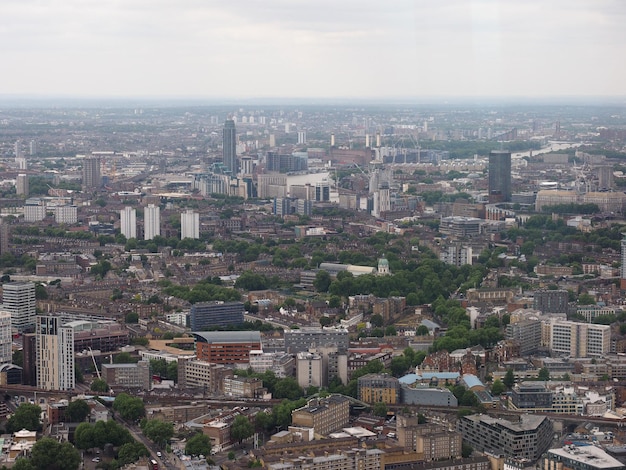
(383, 266)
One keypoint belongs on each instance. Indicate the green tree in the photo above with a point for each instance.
(241, 428)
(544, 374)
(49, 454)
(422, 330)
(77, 411)
(466, 450)
(159, 432)
(84, 437)
(132, 317)
(130, 408)
(22, 463)
(99, 385)
(124, 358)
(26, 416)
(497, 388)
(199, 444)
(40, 292)
(380, 409)
(322, 281)
(131, 452)
(288, 388)
(509, 379)
(586, 299)
(376, 320)
(263, 421)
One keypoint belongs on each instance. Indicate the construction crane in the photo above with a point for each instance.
(94, 362)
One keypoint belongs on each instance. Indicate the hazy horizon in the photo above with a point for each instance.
(322, 50)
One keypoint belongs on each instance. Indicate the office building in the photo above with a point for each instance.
(379, 388)
(310, 370)
(573, 457)
(226, 347)
(551, 301)
(281, 364)
(195, 373)
(322, 191)
(527, 437)
(34, 210)
(272, 185)
(243, 387)
(324, 415)
(189, 225)
(128, 222)
(18, 298)
(305, 338)
(229, 145)
(575, 339)
(21, 185)
(6, 338)
(66, 214)
(531, 395)
(127, 375)
(247, 166)
(499, 176)
(55, 354)
(151, 222)
(526, 333)
(92, 179)
(301, 137)
(205, 315)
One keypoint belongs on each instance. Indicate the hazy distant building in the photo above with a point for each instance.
(5, 234)
(34, 210)
(66, 214)
(152, 222)
(92, 178)
(21, 185)
(189, 225)
(205, 315)
(229, 145)
(322, 191)
(499, 176)
(128, 222)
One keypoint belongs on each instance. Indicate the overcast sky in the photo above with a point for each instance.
(313, 49)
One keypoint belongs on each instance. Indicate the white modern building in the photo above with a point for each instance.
(66, 214)
(18, 298)
(54, 345)
(189, 225)
(34, 210)
(6, 339)
(579, 339)
(152, 222)
(128, 222)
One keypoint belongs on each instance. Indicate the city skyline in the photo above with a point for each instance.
(321, 50)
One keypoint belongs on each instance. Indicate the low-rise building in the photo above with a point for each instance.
(574, 457)
(324, 415)
(377, 388)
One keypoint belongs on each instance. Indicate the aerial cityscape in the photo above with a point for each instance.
(313, 236)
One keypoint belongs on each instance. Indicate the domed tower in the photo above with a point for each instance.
(383, 266)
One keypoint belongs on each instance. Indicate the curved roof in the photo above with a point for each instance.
(227, 336)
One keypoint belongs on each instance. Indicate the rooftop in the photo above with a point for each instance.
(592, 456)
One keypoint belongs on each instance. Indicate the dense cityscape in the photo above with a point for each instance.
(313, 287)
